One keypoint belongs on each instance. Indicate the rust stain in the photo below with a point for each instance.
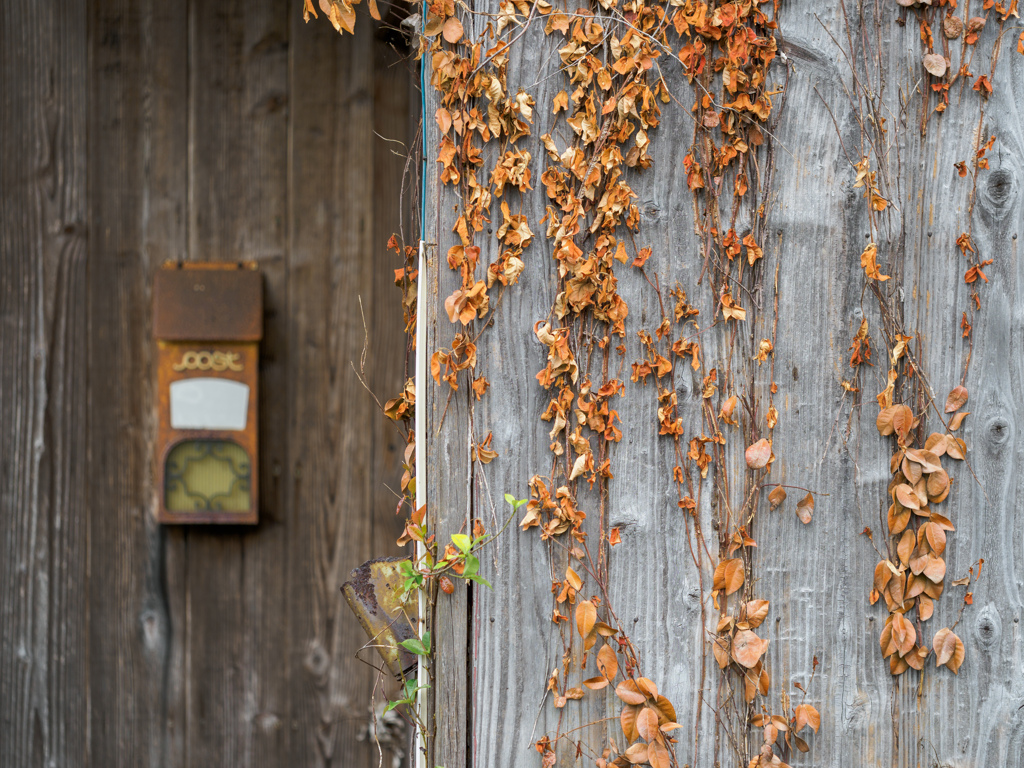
(374, 593)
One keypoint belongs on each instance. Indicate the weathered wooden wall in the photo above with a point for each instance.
(497, 648)
(132, 133)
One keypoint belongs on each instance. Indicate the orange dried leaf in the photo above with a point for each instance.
(903, 634)
(629, 693)
(777, 496)
(956, 399)
(958, 420)
(627, 719)
(637, 754)
(807, 715)
(452, 30)
(586, 617)
(647, 724)
(658, 755)
(759, 454)
(949, 649)
(573, 579)
(755, 612)
(805, 508)
(607, 662)
(729, 575)
(747, 648)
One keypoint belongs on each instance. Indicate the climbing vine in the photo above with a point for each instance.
(622, 63)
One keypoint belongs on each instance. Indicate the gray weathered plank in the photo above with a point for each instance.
(816, 576)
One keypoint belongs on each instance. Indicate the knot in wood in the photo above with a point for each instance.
(998, 193)
(989, 627)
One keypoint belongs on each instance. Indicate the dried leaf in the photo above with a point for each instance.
(729, 575)
(607, 662)
(747, 648)
(666, 712)
(935, 536)
(596, 683)
(807, 715)
(759, 454)
(883, 573)
(937, 486)
(884, 420)
(935, 64)
(573, 578)
(647, 724)
(935, 568)
(903, 634)
(916, 657)
(647, 687)
(958, 420)
(905, 495)
(956, 448)
(637, 754)
(777, 496)
(805, 508)
(627, 719)
(906, 546)
(452, 30)
(868, 262)
(928, 460)
(755, 612)
(721, 647)
(629, 693)
(949, 649)
(658, 755)
(956, 399)
(936, 443)
(925, 607)
(586, 617)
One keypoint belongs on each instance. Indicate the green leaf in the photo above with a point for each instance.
(513, 501)
(462, 541)
(414, 645)
(480, 580)
(472, 566)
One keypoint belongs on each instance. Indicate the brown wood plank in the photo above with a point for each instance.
(344, 455)
(236, 609)
(132, 660)
(43, 403)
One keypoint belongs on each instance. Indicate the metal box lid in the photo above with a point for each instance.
(208, 302)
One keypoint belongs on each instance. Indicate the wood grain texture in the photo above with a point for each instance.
(140, 132)
(817, 576)
(43, 348)
(449, 477)
(343, 212)
(128, 606)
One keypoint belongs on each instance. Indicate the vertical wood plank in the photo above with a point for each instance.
(43, 310)
(344, 455)
(236, 647)
(817, 576)
(448, 474)
(137, 197)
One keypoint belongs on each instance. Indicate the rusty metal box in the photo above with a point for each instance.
(207, 325)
